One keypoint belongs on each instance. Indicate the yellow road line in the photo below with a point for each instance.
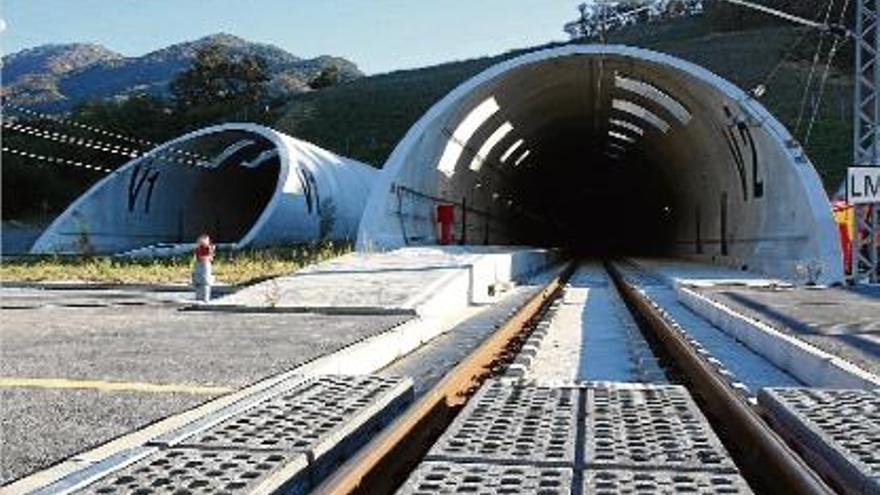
(151, 388)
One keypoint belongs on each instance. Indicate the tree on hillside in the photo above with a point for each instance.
(329, 76)
(216, 77)
(145, 116)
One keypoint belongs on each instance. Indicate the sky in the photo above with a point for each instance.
(379, 35)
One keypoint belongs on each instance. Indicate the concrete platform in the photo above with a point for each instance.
(591, 336)
(836, 431)
(842, 322)
(603, 438)
(673, 271)
(423, 280)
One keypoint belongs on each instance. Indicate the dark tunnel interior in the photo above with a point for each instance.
(227, 198)
(579, 198)
(597, 155)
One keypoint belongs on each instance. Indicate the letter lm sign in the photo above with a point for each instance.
(863, 185)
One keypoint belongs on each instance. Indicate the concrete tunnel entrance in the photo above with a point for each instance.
(244, 184)
(609, 150)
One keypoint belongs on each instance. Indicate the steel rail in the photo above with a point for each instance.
(761, 453)
(384, 463)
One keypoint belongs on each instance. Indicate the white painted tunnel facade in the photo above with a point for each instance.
(583, 140)
(245, 184)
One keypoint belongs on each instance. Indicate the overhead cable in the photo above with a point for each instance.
(65, 139)
(97, 130)
(93, 144)
(56, 160)
(817, 104)
(808, 86)
(838, 28)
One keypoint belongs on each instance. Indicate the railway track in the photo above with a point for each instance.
(656, 348)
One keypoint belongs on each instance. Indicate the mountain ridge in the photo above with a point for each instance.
(56, 77)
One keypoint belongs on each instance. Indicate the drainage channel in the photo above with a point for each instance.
(637, 408)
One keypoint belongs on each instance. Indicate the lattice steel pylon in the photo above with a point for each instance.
(866, 142)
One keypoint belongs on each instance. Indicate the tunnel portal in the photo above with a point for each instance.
(608, 150)
(245, 185)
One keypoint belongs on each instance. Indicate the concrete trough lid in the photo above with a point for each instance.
(289, 441)
(837, 432)
(505, 424)
(612, 481)
(449, 477)
(589, 437)
(651, 427)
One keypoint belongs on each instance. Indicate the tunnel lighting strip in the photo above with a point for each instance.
(231, 150)
(510, 151)
(628, 126)
(53, 159)
(463, 133)
(487, 147)
(522, 157)
(262, 157)
(622, 137)
(656, 95)
(617, 146)
(642, 113)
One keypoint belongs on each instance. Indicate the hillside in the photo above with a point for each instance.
(366, 118)
(56, 77)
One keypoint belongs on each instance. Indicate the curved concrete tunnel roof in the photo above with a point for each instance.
(608, 149)
(245, 184)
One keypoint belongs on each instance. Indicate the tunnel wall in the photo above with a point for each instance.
(273, 189)
(726, 149)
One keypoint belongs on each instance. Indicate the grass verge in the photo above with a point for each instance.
(232, 267)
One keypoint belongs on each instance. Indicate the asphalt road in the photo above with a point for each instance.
(73, 377)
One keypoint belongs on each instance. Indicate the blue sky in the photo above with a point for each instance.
(379, 35)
